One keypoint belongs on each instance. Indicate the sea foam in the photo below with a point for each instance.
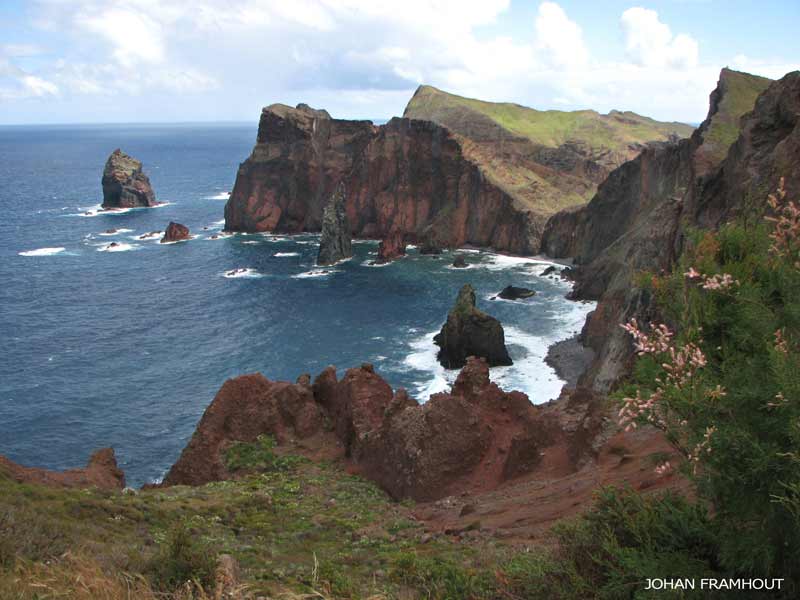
(42, 252)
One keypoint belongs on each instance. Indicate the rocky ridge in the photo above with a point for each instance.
(471, 439)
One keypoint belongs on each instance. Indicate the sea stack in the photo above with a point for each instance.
(124, 183)
(470, 332)
(175, 232)
(335, 244)
(392, 247)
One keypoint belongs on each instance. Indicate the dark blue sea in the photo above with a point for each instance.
(126, 347)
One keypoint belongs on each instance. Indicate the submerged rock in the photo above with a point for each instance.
(124, 183)
(470, 332)
(175, 232)
(335, 244)
(459, 262)
(511, 292)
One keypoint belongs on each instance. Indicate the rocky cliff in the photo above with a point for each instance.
(124, 183)
(335, 243)
(409, 176)
(639, 217)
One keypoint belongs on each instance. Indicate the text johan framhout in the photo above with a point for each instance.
(713, 584)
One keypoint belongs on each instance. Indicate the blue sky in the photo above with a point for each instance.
(76, 61)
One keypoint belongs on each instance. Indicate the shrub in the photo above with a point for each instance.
(182, 558)
(721, 377)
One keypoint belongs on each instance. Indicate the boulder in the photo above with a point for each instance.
(470, 332)
(459, 262)
(335, 243)
(511, 292)
(124, 183)
(175, 232)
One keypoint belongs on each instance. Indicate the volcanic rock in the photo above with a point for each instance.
(511, 292)
(470, 332)
(472, 438)
(407, 175)
(245, 408)
(101, 471)
(392, 247)
(335, 243)
(124, 183)
(459, 262)
(356, 405)
(175, 232)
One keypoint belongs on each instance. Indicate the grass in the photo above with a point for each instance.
(291, 524)
(552, 127)
(486, 127)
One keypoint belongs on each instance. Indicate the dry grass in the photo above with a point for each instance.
(72, 577)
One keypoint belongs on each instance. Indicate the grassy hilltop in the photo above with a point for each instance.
(547, 160)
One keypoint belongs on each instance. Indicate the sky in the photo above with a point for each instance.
(125, 61)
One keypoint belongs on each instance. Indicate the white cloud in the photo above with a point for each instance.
(773, 68)
(650, 43)
(134, 35)
(357, 58)
(559, 37)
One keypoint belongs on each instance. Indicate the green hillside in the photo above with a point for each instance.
(546, 160)
(550, 128)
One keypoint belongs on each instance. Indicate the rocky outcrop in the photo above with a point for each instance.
(175, 232)
(511, 292)
(101, 472)
(639, 217)
(470, 332)
(335, 243)
(392, 247)
(124, 183)
(473, 438)
(244, 408)
(408, 176)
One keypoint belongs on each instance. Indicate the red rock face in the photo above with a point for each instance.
(101, 471)
(408, 176)
(244, 408)
(175, 232)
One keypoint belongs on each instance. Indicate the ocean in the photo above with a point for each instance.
(126, 346)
